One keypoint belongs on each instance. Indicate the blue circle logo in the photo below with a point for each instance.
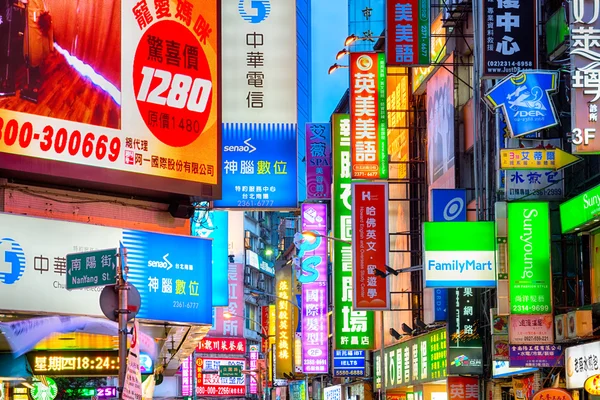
(12, 261)
(254, 11)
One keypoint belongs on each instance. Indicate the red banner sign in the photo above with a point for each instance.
(462, 388)
(264, 311)
(407, 25)
(222, 345)
(370, 245)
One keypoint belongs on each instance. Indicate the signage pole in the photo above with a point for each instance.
(382, 359)
(123, 313)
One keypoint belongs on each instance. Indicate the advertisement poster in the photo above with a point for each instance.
(510, 37)
(353, 328)
(523, 387)
(318, 161)
(465, 351)
(370, 244)
(500, 348)
(138, 92)
(531, 329)
(538, 356)
(368, 115)
(215, 385)
(408, 27)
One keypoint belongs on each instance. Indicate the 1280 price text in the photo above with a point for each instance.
(61, 140)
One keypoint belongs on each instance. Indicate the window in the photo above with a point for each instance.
(252, 316)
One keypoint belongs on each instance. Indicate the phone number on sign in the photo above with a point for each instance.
(74, 142)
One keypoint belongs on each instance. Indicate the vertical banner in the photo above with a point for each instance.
(284, 339)
(530, 273)
(462, 388)
(353, 328)
(584, 89)
(264, 321)
(253, 365)
(318, 161)
(407, 24)
(234, 324)
(370, 245)
(465, 351)
(509, 37)
(315, 299)
(369, 116)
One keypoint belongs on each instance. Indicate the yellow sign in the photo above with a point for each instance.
(592, 385)
(553, 159)
(284, 345)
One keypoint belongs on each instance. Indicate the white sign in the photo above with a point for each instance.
(501, 369)
(332, 393)
(582, 362)
(252, 259)
(132, 388)
(259, 60)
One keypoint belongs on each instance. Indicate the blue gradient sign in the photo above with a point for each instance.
(348, 363)
(213, 225)
(259, 166)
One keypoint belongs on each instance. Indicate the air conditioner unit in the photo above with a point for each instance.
(560, 327)
(579, 324)
(247, 271)
(261, 285)
(248, 279)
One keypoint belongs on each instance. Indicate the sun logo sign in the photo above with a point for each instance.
(254, 11)
(12, 261)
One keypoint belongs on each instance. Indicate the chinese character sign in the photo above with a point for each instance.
(187, 378)
(538, 356)
(536, 329)
(525, 99)
(285, 319)
(353, 328)
(368, 115)
(234, 324)
(509, 36)
(585, 86)
(408, 32)
(222, 345)
(465, 352)
(216, 385)
(318, 161)
(370, 245)
(259, 166)
(313, 276)
(265, 322)
(253, 366)
(462, 388)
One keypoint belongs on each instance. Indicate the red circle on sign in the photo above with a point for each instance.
(172, 83)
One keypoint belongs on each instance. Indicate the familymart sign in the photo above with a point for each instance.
(459, 254)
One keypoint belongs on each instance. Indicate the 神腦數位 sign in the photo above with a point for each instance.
(164, 269)
(529, 258)
(155, 83)
(580, 210)
(459, 254)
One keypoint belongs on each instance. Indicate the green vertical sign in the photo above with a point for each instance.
(424, 36)
(353, 329)
(530, 272)
(382, 115)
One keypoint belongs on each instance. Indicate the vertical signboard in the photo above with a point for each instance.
(370, 245)
(315, 299)
(369, 116)
(353, 328)
(509, 36)
(407, 24)
(318, 161)
(187, 378)
(584, 88)
(253, 366)
(284, 339)
(233, 325)
(265, 322)
(530, 273)
(465, 351)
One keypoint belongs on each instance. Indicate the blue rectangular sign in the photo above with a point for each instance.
(214, 225)
(173, 275)
(348, 363)
(259, 166)
(449, 205)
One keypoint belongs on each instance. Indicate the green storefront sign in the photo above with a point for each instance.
(580, 211)
(353, 329)
(419, 360)
(382, 117)
(530, 272)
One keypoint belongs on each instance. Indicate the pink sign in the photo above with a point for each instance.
(318, 161)
(531, 329)
(253, 367)
(233, 326)
(187, 369)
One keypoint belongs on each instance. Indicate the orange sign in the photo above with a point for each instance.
(552, 394)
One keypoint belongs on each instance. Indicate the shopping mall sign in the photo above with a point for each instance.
(353, 329)
(580, 211)
(453, 261)
(529, 258)
(419, 360)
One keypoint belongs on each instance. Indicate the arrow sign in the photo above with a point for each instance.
(550, 159)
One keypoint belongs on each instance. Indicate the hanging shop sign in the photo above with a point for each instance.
(449, 205)
(214, 384)
(370, 244)
(222, 345)
(465, 351)
(462, 388)
(584, 89)
(525, 99)
(592, 385)
(450, 261)
(539, 356)
(581, 362)
(318, 161)
(353, 328)
(407, 22)
(419, 360)
(536, 159)
(531, 329)
(509, 37)
(530, 272)
(284, 360)
(368, 115)
(552, 394)
(501, 369)
(348, 363)
(438, 51)
(580, 211)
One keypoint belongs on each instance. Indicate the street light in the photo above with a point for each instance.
(334, 67)
(341, 54)
(300, 237)
(353, 38)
